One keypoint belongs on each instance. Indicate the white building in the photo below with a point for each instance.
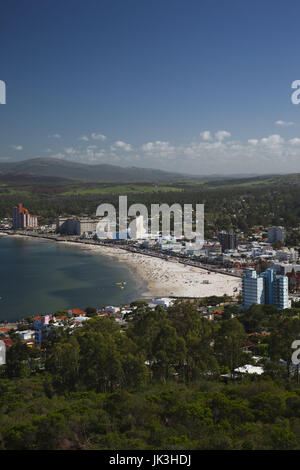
(2, 353)
(76, 225)
(249, 369)
(26, 334)
(267, 288)
(281, 292)
(165, 302)
(253, 288)
(80, 319)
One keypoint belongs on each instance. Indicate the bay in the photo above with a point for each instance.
(40, 276)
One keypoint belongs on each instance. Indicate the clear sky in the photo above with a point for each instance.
(188, 85)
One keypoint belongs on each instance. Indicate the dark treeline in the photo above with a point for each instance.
(156, 384)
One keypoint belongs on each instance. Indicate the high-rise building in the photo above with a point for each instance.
(266, 288)
(253, 288)
(276, 234)
(228, 240)
(76, 225)
(281, 292)
(22, 219)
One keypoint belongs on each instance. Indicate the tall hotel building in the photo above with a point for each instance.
(228, 240)
(276, 234)
(22, 219)
(267, 288)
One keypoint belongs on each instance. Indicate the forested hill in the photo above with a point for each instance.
(105, 173)
(158, 384)
(238, 202)
(55, 167)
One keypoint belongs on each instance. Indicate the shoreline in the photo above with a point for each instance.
(162, 278)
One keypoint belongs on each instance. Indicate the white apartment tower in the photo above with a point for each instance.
(253, 288)
(267, 288)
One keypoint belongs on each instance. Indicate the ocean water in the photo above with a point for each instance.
(40, 276)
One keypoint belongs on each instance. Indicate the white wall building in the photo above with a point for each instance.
(253, 288)
(267, 288)
(26, 334)
(2, 353)
(165, 302)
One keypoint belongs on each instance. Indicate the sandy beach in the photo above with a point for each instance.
(167, 278)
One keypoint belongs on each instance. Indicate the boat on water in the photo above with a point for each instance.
(121, 284)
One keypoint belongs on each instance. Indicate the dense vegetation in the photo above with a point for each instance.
(155, 385)
(241, 204)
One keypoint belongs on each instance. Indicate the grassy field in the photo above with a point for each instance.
(118, 189)
(25, 186)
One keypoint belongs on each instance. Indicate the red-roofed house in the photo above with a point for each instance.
(76, 312)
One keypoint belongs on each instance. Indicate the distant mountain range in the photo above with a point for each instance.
(53, 167)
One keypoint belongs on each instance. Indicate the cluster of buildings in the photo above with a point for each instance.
(239, 251)
(266, 288)
(22, 219)
(40, 326)
(88, 227)
(227, 249)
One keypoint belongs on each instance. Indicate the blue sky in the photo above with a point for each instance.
(197, 86)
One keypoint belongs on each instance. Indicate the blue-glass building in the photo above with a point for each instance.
(266, 288)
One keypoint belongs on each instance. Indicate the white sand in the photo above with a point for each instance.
(167, 278)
